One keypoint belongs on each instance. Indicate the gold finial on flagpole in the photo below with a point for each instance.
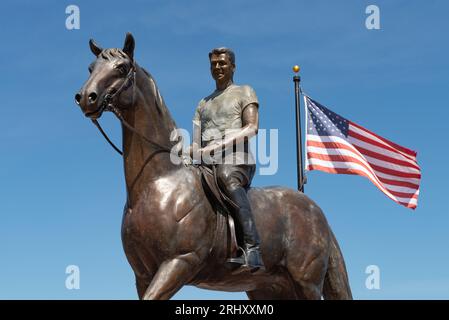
(296, 68)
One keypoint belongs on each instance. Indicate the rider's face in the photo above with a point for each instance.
(221, 68)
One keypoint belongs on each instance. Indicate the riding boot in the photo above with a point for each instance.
(252, 256)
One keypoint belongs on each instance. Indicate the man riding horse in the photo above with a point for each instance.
(224, 120)
(169, 226)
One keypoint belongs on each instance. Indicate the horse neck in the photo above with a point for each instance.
(150, 117)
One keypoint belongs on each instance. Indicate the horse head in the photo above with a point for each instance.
(111, 78)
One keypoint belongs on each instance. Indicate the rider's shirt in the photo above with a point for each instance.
(220, 114)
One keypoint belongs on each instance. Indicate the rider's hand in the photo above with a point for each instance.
(210, 149)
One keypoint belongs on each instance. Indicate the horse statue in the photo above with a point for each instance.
(170, 229)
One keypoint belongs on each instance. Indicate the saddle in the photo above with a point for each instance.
(226, 228)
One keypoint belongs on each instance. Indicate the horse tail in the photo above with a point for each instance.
(336, 283)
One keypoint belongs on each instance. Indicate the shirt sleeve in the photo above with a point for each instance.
(248, 97)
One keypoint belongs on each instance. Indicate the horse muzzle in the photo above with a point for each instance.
(90, 105)
(94, 115)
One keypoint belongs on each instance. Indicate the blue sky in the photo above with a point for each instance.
(62, 186)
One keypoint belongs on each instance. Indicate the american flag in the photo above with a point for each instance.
(337, 145)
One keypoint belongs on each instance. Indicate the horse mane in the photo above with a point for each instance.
(159, 101)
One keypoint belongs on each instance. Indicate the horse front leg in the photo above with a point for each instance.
(172, 275)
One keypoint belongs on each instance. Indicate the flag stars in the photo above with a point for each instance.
(325, 122)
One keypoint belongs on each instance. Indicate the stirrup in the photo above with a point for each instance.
(257, 264)
(241, 260)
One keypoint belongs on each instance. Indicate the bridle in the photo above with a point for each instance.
(108, 105)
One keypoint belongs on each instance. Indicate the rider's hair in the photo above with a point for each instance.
(225, 50)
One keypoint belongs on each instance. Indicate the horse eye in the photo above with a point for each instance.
(121, 68)
(90, 69)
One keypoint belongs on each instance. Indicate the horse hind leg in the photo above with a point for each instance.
(336, 283)
(308, 278)
(307, 291)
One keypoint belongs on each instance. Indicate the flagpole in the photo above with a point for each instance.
(300, 172)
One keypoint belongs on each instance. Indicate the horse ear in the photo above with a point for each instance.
(128, 47)
(96, 50)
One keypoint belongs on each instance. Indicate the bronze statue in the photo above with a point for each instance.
(171, 234)
(227, 118)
